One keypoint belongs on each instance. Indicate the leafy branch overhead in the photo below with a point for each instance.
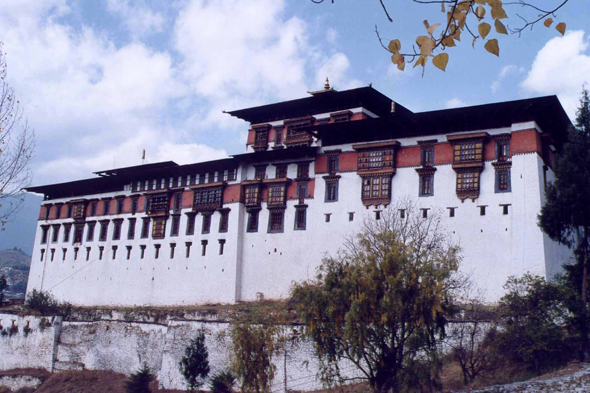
(479, 20)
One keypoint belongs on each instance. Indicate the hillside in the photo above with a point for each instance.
(15, 265)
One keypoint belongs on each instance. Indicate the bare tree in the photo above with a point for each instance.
(17, 143)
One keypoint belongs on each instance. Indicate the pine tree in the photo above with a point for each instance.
(139, 382)
(3, 287)
(565, 217)
(194, 365)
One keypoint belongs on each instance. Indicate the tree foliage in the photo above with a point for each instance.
(45, 304)
(475, 19)
(257, 339)
(194, 365)
(17, 142)
(382, 303)
(222, 382)
(139, 382)
(533, 321)
(3, 287)
(565, 217)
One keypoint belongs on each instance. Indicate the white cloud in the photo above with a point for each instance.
(506, 71)
(331, 36)
(454, 103)
(336, 69)
(138, 18)
(561, 67)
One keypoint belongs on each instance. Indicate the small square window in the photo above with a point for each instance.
(351, 216)
(156, 251)
(377, 214)
(260, 172)
(402, 213)
(482, 210)
(505, 209)
(221, 246)
(281, 171)
(451, 211)
(328, 215)
(204, 247)
(424, 213)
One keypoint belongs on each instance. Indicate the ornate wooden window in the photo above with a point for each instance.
(502, 147)
(341, 116)
(260, 172)
(296, 134)
(276, 194)
(300, 217)
(376, 159)
(376, 189)
(131, 229)
(177, 202)
(261, 138)
(331, 188)
(426, 181)
(158, 204)
(427, 153)
(303, 170)
(468, 182)
(252, 195)
(159, 228)
(79, 209)
(275, 221)
(58, 211)
(502, 181)
(281, 171)
(208, 199)
(278, 135)
(93, 208)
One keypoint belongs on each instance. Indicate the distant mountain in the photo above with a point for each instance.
(15, 265)
(20, 231)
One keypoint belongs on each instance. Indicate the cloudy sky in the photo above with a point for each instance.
(102, 80)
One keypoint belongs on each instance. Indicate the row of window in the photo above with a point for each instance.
(158, 228)
(188, 180)
(129, 249)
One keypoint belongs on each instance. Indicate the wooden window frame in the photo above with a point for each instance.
(253, 218)
(276, 221)
(206, 223)
(159, 228)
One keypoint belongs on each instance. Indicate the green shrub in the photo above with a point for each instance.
(194, 365)
(139, 382)
(45, 304)
(222, 382)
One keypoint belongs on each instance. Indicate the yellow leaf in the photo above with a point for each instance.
(480, 2)
(426, 45)
(394, 46)
(442, 7)
(448, 41)
(484, 29)
(432, 28)
(440, 61)
(480, 12)
(473, 43)
(561, 28)
(397, 59)
(492, 47)
(500, 28)
(457, 35)
(548, 22)
(401, 66)
(463, 6)
(497, 10)
(426, 24)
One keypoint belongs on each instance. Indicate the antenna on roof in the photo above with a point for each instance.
(143, 157)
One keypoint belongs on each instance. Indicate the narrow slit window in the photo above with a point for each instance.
(221, 246)
(482, 210)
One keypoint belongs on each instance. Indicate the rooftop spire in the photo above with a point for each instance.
(327, 84)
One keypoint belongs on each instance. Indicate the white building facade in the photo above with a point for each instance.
(249, 226)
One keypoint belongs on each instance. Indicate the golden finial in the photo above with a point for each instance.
(327, 84)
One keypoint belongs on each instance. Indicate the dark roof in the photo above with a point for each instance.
(327, 102)
(289, 153)
(547, 112)
(115, 179)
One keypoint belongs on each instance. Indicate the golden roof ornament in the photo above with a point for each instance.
(327, 84)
